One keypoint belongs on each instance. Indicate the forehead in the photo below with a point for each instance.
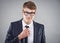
(29, 10)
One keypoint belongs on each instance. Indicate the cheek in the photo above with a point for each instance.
(33, 17)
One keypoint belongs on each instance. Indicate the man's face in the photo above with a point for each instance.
(28, 14)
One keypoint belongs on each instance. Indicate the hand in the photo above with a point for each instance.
(23, 34)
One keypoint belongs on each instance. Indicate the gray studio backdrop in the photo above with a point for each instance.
(48, 13)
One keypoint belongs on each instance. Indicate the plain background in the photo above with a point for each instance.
(48, 13)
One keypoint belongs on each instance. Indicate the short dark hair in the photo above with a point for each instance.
(31, 5)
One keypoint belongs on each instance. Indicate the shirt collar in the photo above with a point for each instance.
(24, 24)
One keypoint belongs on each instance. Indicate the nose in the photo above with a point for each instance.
(28, 15)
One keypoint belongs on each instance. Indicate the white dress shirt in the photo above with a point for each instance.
(30, 37)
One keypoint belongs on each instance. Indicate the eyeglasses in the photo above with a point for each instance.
(29, 13)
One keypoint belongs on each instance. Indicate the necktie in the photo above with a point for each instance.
(27, 26)
(26, 39)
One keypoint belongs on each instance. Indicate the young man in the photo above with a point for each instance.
(26, 30)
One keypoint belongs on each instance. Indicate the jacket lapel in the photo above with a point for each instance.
(21, 29)
(35, 32)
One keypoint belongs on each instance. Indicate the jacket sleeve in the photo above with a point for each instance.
(10, 38)
(43, 38)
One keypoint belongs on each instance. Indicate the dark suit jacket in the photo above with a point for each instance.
(16, 28)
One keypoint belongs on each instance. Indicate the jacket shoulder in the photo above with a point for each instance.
(16, 22)
(39, 24)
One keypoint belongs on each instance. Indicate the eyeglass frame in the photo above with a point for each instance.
(29, 13)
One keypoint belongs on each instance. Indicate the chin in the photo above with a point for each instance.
(28, 20)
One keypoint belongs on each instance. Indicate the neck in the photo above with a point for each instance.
(27, 22)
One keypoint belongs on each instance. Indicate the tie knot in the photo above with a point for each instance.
(27, 26)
